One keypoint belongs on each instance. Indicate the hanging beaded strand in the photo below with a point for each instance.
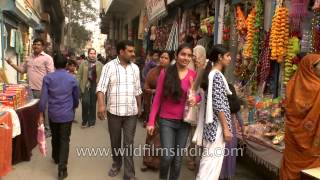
(316, 31)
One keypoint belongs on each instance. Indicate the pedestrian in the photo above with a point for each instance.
(81, 59)
(119, 99)
(148, 92)
(170, 101)
(217, 128)
(72, 67)
(36, 66)
(302, 120)
(154, 61)
(88, 75)
(228, 170)
(60, 91)
(101, 59)
(151, 80)
(199, 62)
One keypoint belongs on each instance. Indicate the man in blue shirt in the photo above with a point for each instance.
(60, 90)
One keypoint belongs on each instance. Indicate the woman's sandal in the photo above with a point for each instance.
(144, 168)
(113, 172)
(191, 165)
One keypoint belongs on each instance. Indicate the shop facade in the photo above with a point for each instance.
(267, 40)
(21, 22)
(19, 25)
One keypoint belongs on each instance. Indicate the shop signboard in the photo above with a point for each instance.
(155, 9)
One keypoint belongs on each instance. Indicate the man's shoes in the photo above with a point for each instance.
(48, 134)
(56, 161)
(92, 126)
(62, 174)
(113, 172)
(83, 125)
(144, 168)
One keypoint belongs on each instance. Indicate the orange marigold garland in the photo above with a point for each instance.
(279, 36)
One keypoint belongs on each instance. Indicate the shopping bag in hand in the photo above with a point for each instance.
(42, 140)
(190, 114)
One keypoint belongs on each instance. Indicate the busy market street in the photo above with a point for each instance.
(160, 89)
(95, 168)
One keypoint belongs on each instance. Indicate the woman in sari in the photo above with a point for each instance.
(302, 133)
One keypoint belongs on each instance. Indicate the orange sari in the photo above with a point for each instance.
(302, 136)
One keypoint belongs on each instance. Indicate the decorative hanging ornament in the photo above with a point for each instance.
(241, 21)
(316, 32)
(248, 47)
(298, 10)
(279, 34)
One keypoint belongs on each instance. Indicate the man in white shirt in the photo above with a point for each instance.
(119, 99)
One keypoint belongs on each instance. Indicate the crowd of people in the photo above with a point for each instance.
(168, 89)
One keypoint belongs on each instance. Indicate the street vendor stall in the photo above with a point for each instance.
(268, 54)
(19, 115)
(5, 143)
(23, 144)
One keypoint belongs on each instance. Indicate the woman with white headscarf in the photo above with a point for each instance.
(199, 62)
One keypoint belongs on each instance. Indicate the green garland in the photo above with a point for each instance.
(259, 30)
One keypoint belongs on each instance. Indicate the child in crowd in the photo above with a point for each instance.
(72, 67)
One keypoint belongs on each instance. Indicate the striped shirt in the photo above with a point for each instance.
(121, 86)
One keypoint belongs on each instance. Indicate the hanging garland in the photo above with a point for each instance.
(279, 34)
(248, 47)
(264, 63)
(316, 32)
(241, 21)
(258, 29)
(290, 67)
(226, 26)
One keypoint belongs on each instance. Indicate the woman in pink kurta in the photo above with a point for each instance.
(169, 101)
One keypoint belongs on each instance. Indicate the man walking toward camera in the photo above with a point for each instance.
(119, 99)
(36, 66)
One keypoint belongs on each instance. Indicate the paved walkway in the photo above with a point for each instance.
(93, 168)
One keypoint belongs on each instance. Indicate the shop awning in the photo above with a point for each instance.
(118, 9)
(170, 1)
(105, 5)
